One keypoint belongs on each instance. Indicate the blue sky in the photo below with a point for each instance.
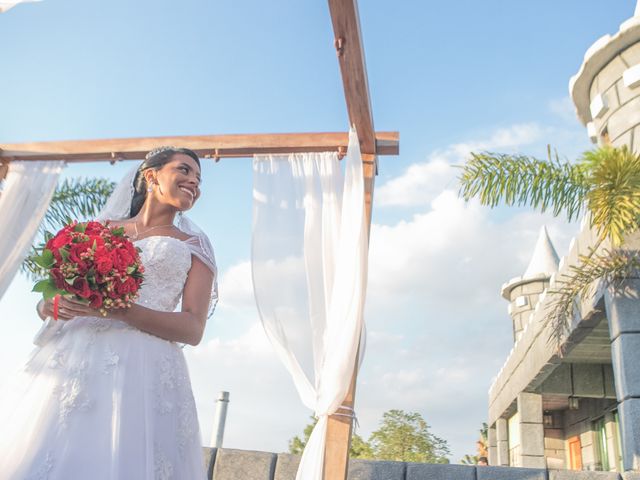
(450, 76)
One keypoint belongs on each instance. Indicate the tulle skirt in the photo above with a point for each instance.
(100, 400)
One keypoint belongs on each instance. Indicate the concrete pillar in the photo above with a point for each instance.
(623, 313)
(531, 431)
(493, 450)
(502, 442)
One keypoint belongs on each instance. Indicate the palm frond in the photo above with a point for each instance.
(614, 196)
(73, 199)
(525, 181)
(612, 267)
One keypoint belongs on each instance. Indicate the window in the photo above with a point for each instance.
(616, 426)
(602, 450)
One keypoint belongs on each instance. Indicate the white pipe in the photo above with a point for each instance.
(219, 420)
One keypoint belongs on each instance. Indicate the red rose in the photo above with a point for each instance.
(60, 240)
(96, 300)
(121, 259)
(103, 264)
(81, 288)
(75, 251)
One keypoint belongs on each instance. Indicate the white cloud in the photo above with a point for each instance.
(564, 109)
(423, 181)
(236, 290)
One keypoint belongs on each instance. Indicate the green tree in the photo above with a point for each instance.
(77, 198)
(359, 447)
(603, 183)
(406, 437)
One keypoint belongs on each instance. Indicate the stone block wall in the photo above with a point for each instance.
(228, 464)
(621, 119)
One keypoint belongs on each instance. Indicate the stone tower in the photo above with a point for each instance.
(606, 93)
(606, 89)
(523, 292)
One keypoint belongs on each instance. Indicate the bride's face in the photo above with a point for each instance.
(177, 183)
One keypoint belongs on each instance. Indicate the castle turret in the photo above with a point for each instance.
(523, 292)
(606, 89)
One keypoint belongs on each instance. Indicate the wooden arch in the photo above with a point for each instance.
(350, 53)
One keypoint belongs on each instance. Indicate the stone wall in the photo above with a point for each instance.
(227, 464)
(618, 120)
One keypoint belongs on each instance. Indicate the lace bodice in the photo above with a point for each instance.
(167, 261)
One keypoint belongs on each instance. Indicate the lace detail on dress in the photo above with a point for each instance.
(165, 385)
(72, 398)
(57, 360)
(162, 466)
(111, 360)
(44, 469)
(166, 261)
(174, 396)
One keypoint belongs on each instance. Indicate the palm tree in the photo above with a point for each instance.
(482, 447)
(604, 184)
(77, 198)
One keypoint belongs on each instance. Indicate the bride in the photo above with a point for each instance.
(110, 398)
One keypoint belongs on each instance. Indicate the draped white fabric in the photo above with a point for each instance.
(24, 199)
(7, 4)
(309, 266)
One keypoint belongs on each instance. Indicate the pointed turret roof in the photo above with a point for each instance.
(545, 259)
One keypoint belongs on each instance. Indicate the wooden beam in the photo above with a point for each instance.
(350, 51)
(216, 146)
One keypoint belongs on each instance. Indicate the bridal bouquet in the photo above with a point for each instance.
(96, 263)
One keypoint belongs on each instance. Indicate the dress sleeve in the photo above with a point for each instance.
(200, 246)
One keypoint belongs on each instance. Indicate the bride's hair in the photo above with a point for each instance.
(155, 159)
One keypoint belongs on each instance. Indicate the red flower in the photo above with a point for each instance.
(96, 300)
(103, 263)
(60, 240)
(81, 287)
(128, 286)
(122, 259)
(99, 262)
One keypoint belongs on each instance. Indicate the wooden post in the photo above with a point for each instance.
(339, 429)
(350, 52)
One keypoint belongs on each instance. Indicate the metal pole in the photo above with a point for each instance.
(219, 420)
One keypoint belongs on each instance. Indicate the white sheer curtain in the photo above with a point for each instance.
(309, 266)
(24, 199)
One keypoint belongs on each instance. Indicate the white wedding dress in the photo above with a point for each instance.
(103, 400)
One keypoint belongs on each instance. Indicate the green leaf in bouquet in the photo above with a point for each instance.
(70, 280)
(45, 260)
(80, 227)
(64, 253)
(131, 269)
(50, 293)
(94, 247)
(118, 231)
(43, 285)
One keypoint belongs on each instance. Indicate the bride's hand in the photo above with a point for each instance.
(69, 307)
